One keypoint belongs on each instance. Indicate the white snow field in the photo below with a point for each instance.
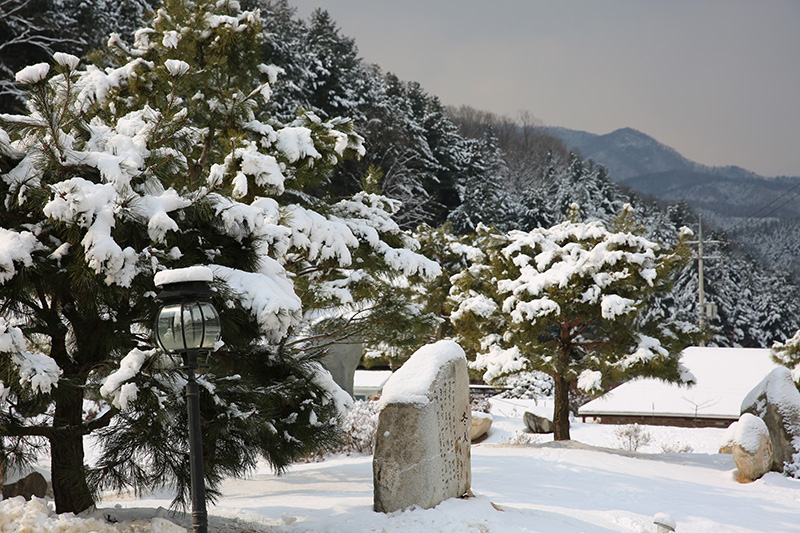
(586, 485)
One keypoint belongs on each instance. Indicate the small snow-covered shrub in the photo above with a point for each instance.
(481, 405)
(676, 447)
(360, 425)
(792, 468)
(522, 438)
(632, 437)
(528, 385)
(357, 427)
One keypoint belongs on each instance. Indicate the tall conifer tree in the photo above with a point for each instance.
(571, 301)
(165, 158)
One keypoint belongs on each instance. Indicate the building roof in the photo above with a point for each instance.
(724, 377)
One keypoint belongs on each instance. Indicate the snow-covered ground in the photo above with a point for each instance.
(587, 485)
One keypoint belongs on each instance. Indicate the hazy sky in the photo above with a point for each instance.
(718, 80)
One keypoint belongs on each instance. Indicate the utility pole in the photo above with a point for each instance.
(703, 311)
(701, 301)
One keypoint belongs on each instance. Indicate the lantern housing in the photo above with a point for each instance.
(187, 320)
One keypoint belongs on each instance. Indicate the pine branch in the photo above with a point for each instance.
(30, 431)
(350, 322)
(100, 422)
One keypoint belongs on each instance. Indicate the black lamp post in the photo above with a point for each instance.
(188, 324)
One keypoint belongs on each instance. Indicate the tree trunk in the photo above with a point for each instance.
(561, 409)
(70, 490)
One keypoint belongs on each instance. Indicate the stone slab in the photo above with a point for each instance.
(422, 450)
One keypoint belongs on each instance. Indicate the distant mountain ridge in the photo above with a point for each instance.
(628, 153)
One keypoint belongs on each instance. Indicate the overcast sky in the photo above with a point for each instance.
(718, 80)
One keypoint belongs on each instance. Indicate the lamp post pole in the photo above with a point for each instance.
(199, 514)
(187, 324)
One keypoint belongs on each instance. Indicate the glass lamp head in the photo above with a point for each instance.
(187, 320)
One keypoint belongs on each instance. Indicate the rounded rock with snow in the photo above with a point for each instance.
(751, 447)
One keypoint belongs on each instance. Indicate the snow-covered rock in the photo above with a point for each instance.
(751, 447)
(481, 422)
(537, 424)
(776, 400)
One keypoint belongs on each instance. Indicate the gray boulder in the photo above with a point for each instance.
(341, 360)
(776, 401)
(31, 485)
(537, 424)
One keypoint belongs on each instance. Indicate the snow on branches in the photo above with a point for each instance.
(575, 286)
(36, 371)
(15, 247)
(115, 385)
(142, 145)
(570, 301)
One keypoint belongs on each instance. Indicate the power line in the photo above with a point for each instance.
(750, 216)
(783, 204)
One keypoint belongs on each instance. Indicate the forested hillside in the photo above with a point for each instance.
(32, 30)
(460, 165)
(470, 166)
(774, 243)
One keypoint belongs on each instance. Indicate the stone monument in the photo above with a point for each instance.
(422, 451)
(341, 360)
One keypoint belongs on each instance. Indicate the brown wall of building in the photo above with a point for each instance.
(678, 421)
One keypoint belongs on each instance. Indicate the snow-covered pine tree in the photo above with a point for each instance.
(32, 30)
(337, 70)
(484, 199)
(164, 158)
(757, 306)
(571, 301)
(787, 353)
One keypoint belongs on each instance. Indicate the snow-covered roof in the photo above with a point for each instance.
(724, 377)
